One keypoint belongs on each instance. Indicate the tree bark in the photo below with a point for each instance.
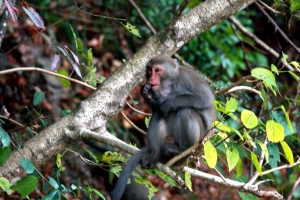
(109, 98)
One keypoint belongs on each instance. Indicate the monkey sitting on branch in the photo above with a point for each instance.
(182, 114)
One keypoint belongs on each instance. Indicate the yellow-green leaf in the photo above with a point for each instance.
(264, 149)
(210, 154)
(239, 168)
(284, 56)
(294, 75)
(274, 69)
(219, 125)
(5, 185)
(231, 105)
(275, 131)
(188, 182)
(287, 118)
(296, 65)
(249, 119)
(266, 76)
(287, 152)
(218, 106)
(233, 157)
(65, 83)
(132, 29)
(256, 163)
(264, 96)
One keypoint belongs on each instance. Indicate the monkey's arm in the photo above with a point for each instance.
(185, 101)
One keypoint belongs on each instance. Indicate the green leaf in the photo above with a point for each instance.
(256, 163)
(274, 156)
(91, 154)
(26, 185)
(287, 152)
(223, 127)
(188, 182)
(53, 182)
(249, 138)
(65, 83)
(231, 106)
(38, 98)
(274, 69)
(74, 36)
(249, 119)
(284, 56)
(219, 107)
(287, 118)
(79, 45)
(5, 185)
(275, 131)
(233, 157)
(294, 76)
(163, 176)
(266, 76)
(27, 165)
(210, 153)
(264, 149)
(296, 65)
(239, 168)
(4, 138)
(132, 29)
(294, 5)
(65, 112)
(264, 96)
(147, 121)
(152, 189)
(98, 193)
(58, 162)
(247, 196)
(53, 195)
(4, 155)
(237, 132)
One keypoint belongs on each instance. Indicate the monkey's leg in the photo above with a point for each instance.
(169, 150)
(157, 132)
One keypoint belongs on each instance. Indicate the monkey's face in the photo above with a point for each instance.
(154, 76)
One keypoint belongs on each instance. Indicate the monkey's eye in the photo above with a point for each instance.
(156, 70)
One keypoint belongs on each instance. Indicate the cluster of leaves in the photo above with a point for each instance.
(53, 189)
(247, 136)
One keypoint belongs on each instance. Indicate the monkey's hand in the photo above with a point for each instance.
(146, 92)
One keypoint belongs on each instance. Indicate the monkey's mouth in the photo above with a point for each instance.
(154, 86)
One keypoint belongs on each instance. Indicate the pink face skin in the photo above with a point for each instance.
(155, 72)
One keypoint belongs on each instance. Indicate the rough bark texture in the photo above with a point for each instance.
(110, 97)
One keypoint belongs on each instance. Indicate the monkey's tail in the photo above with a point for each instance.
(130, 165)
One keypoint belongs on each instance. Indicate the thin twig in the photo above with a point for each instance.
(142, 16)
(132, 124)
(239, 82)
(277, 28)
(46, 72)
(138, 111)
(297, 182)
(259, 42)
(245, 88)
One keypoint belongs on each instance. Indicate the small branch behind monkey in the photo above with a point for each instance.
(132, 124)
(248, 78)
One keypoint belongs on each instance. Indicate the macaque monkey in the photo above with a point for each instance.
(182, 114)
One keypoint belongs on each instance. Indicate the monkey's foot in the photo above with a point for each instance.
(148, 162)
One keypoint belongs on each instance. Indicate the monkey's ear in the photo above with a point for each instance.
(176, 62)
